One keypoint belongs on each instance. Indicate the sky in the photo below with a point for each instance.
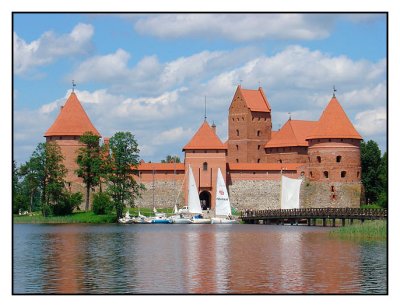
(150, 74)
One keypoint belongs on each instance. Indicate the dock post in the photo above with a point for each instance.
(333, 222)
(324, 222)
(308, 222)
(315, 222)
(351, 221)
(343, 222)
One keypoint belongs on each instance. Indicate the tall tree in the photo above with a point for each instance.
(30, 181)
(124, 159)
(371, 164)
(383, 178)
(89, 162)
(46, 166)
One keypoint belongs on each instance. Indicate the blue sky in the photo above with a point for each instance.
(149, 73)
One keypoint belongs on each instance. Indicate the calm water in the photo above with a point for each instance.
(258, 259)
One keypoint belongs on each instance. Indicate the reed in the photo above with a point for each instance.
(367, 230)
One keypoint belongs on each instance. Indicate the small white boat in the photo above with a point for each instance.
(223, 220)
(160, 218)
(127, 219)
(180, 219)
(199, 219)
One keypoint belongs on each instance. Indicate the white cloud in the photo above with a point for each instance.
(103, 68)
(371, 122)
(236, 27)
(173, 135)
(50, 47)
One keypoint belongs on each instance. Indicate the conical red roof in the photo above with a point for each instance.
(205, 138)
(72, 120)
(334, 123)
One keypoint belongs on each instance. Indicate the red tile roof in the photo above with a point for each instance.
(264, 166)
(161, 166)
(255, 100)
(293, 133)
(204, 138)
(334, 123)
(72, 120)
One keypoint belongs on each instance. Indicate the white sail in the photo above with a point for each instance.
(290, 193)
(222, 203)
(193, 196)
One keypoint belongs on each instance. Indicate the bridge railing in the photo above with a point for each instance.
(316, 213)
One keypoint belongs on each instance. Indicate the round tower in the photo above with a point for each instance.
(334, 147)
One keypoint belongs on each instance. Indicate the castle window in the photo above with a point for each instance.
(258, 132)
(237, 147)
(343, 174)
(237, 132)
(358, 174)
(338, 158)
(280, 160)
(258, 161)
(326, 174)
(302, 174)
(319, 159)
(332, 188)
(242, 118)
(258, 147)
(233, 119)
(205, 166)
(238, 119)
(311, 175)
(237, 160)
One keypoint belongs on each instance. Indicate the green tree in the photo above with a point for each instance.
(124, 159)
(383, 178)
(30, 182)
(46, 166)
(371, 168)
(89, 162)
(171, 159)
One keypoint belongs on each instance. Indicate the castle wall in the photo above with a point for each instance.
(286, 155)
(330, 194)
(167, 193)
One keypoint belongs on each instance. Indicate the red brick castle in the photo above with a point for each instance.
(324, 153)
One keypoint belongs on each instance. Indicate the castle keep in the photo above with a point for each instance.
(324, 153)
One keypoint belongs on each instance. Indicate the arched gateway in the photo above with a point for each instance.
(205, 200)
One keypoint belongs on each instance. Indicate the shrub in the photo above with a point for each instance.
(102, 203)
(67, 203)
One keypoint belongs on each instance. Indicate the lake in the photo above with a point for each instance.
(193, 259)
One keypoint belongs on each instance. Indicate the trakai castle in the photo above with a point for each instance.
(324, 153)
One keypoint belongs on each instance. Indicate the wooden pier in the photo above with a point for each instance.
(309, 216)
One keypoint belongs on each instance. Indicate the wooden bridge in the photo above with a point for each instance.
(310, 216)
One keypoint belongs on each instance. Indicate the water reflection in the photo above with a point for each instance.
(193, 259)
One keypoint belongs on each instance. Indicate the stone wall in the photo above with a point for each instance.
(265, 194)
(334, 194)
(166, 193)
(255, 194)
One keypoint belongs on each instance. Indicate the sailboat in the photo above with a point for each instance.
(194, 206)
(223, 210)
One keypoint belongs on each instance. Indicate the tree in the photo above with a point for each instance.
(371, 168)
(171, 159)
(89, 162)
(47, 168)
(30, 181)
(124, 159)
(383, 178)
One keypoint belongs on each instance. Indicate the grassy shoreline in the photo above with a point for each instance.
(78, 217)
(373, 230)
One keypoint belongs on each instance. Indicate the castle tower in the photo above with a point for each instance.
(334, 147)
(205, 153)
(249, 126)
(71, 123)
